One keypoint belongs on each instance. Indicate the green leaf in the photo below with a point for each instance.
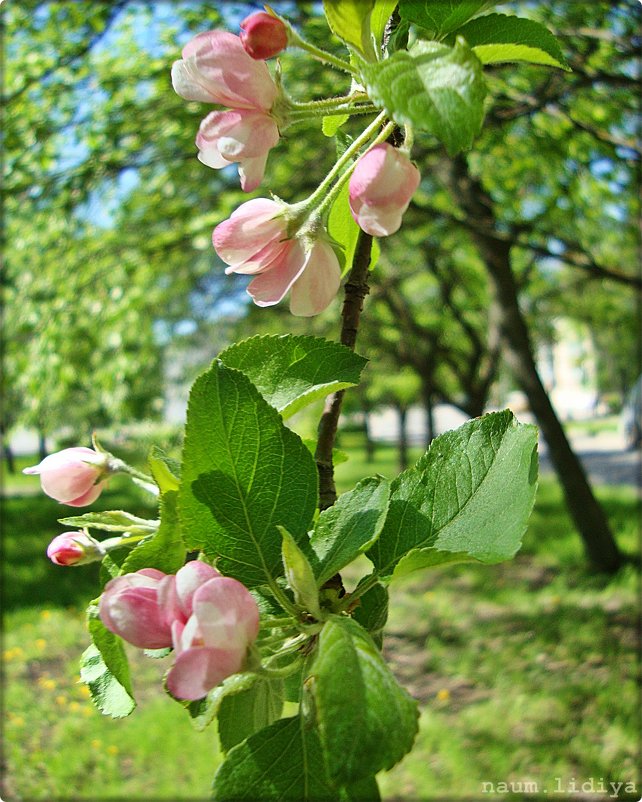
(367, 721)
(243, 474)
(471, 493)
(350, 21)
(331, 124)
(292, 371)
(379, 19)
(248, 711)
(105, 670)
(499, 37)
(165, 550)
(344, 231)
(299, 575)
(349, 527)
(281, 762)
(434, 88)
(284, 762)
(109, 696)
(165, 471)
(441, 17)
(204, 711)
(112, 521)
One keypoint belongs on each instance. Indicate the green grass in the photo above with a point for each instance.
(525, 671)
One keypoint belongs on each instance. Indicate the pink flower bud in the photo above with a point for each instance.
(216, 69)
(246, 137)
(214, 641)
(73, 548)
(72, 476)
(263, 35)
(129, 607)
(254, 241)
(381, 186)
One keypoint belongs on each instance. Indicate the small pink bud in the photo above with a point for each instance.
(381, 187)
(73, 548)
(263, 35)
(72, 476)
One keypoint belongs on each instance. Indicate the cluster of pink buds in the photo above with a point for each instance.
(73, 476)
(215, 68)
(263, 36)
(210, 621)
(254, 241)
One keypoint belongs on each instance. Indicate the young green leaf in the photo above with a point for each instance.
(165, 550)
(112, 521)
(243, 474)
(344, 230)
(105, 670)
(372, 611)
(379, 18)
(367, 721)
(299, 576)
(350, 21)
(470, 494)
(164, 470)
(441, 17)
(434, 88)
(109, 696)
(292, 371)
(248, 711)
(500, 37)
(349, 527)
(331, 124)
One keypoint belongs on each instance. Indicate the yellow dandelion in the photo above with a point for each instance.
(40, 643)
(61, 700)
(74, 707)
(45, 614)
(47, 683)
(88, 711)
(443, 695)
(17, 721)
(96, 743)
(83, 690)
(112, 750)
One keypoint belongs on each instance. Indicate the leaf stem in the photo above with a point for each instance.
(295, 40)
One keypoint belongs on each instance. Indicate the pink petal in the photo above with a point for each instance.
(198, 670)
(250, 228)
(228, 616)
(251, 172)
(189, 579)
(319, 282)
(269, 287)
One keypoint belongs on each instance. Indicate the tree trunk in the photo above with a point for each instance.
(402, 414)
(8, 456)
(42, 444)
(587, 514)
(426, 394)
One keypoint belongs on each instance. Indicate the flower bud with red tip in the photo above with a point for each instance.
(74, 548)
(263, 35)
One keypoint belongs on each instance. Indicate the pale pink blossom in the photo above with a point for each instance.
(72, 476)
(381, 186)
(214, 642)
(216, 69)
(130, 607)
(254, 241)
(72, 548)
(242, 136)
(263, 35)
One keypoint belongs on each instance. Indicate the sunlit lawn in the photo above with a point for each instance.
(525, 671)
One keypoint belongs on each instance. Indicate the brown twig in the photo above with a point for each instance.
(356, 289)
